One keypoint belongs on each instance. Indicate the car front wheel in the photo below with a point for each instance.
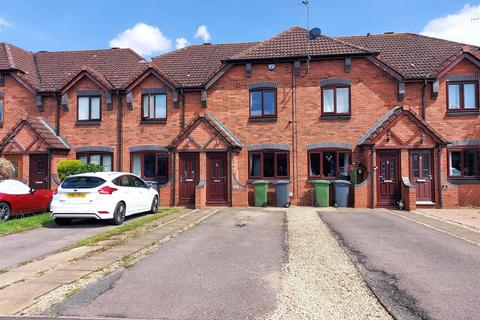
(118, 214)
(4, 211)
(154, 207)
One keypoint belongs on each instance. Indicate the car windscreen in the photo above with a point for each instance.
(82, 182)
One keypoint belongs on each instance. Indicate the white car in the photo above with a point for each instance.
(103, 196)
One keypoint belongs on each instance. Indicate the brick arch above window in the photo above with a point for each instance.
(268, 146)
(84, 149)
(329, 145)
(146, 148)
(263, 84)
(335, 81)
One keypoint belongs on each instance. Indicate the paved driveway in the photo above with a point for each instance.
(227, 267)
(33, 244)
(416, 271)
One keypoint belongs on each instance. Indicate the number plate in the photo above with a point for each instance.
(76, 195)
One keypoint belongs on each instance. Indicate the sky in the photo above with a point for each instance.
(155, 27)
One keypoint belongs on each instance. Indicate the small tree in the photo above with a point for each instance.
(67, 168)
(6, 169)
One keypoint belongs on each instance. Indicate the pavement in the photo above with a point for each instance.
(465, 217)
(227, 267)
(417, 271)
(21, 247)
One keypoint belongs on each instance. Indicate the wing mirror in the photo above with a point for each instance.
(32, 190)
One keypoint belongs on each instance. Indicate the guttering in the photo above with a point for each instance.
(302, 58)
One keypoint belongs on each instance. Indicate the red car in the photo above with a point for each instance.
(16, 198)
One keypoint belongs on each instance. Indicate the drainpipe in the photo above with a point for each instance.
(119, 132)
(294, 134)
(57, 117)
(424, 99)
(182, 120)
(230, 177)
(49, 169)
(372, 176)
(174, 166)
(439, 175)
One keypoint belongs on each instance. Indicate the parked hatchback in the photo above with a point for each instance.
(103, 196)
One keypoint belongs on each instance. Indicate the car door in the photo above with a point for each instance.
(144, 197)
(127, 193)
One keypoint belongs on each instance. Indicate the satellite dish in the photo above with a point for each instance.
(314, 33)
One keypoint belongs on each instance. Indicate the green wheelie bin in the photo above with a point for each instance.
(260, 193)
(322, 193)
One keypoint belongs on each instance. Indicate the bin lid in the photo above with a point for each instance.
(345, 182)
(321, 182)
(260, 182)
(281, 182)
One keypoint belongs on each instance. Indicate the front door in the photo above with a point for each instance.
(217, 177)
(421, 174)
(38, 171)
(387, 178)
(188, 177)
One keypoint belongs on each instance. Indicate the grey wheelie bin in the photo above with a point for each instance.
(342, 189)
(282, 193)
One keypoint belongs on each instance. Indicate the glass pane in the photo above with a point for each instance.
(84, 159)
(145, 106)
(343, 163)
(392, 168)
(383, 168)
(256, 103)
(469, 96)
(255, 165)
(149, 165)
(1, 109)
(15, 169)
(152, 106)
(107, 163)
(282, 164)
(95, 108)
(95, 159)
(343, 100)
(469, 162)
(329, 164)
(314, 164)
(453, 96)
(415, 166)
(268, 164)
(269, 102)
(137, 165)
(162, 165)
(328, 101)
(83, 108)
(82, 182)
(455, 163)
(160, 106)
(426, 165)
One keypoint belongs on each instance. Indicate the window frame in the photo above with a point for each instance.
(2, 109)
(321, 151)
(334, 88)
(462, 151)
(89, 108)
(263, 115)
(462, 96)
(149, 119)
(275, 153)
(93, 153)
(2, 79)
(142, 156)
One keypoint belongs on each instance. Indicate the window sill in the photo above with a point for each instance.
(464, 180)
(263, 119)
(158, 121)
(270, 180)
(335, 117)
(462, 113)
(88, 123)
(311, 179)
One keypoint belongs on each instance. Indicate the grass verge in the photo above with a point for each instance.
(25, 223)
(124, 228)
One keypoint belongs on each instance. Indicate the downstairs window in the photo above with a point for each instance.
(268, 164)
(150, 165)
(464, 163)
(328, 163)
(103, 159)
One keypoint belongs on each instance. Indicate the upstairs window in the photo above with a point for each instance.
(150, 165)
(154, 107)
(268, 164)
(462, 96)
(89, 108)
(103, 159)
(328, 163)
(464, 163)
(336, 100)
(263, 103)
(2, 79)
(1, 109)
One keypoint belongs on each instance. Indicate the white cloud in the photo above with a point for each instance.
(181, 43)
(4, 23)
(202, 32)
(143, 38)
(457, 26)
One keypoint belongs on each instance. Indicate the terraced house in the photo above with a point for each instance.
(399, 111)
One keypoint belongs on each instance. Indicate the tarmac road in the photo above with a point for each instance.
(415, 271)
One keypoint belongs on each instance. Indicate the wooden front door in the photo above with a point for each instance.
(388, 181)
(217, 177)
(38, 173)
(188, 177)
(421, 173)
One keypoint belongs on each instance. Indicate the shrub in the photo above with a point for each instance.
(67, 168)
(6, 169)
